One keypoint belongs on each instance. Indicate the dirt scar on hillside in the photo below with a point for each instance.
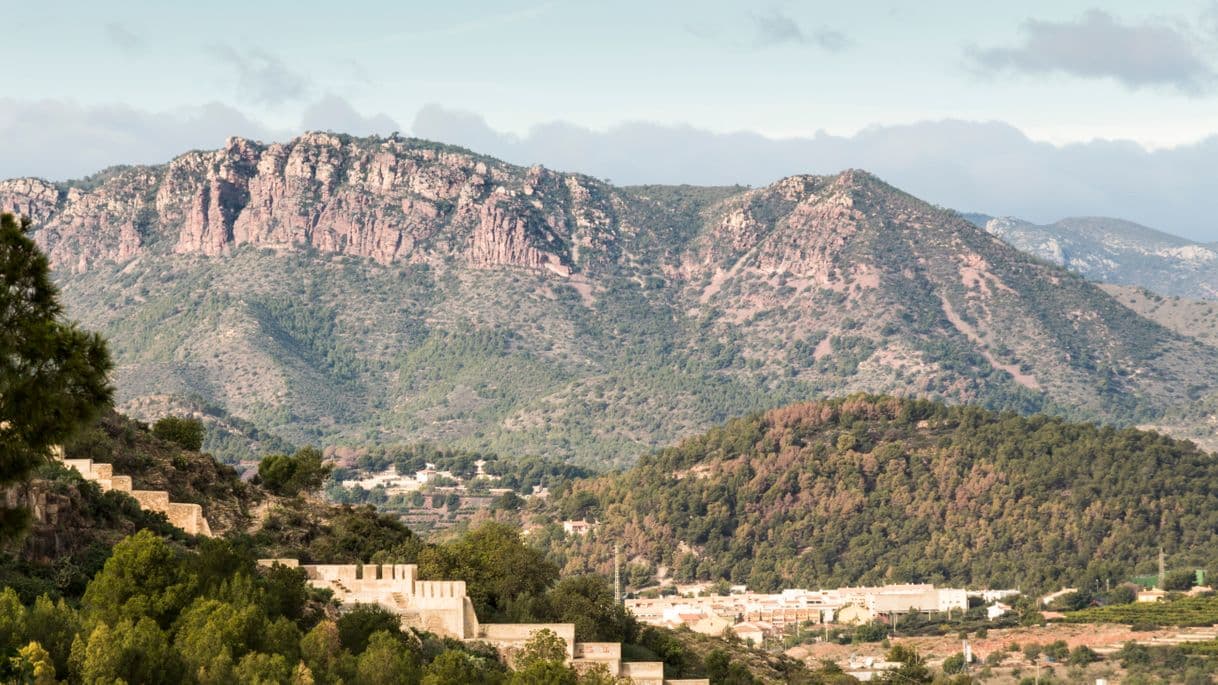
(1026, 380)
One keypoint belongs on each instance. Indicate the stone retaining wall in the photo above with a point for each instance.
(188, 517)
(442, 607)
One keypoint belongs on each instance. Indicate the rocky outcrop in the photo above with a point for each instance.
(388, 200)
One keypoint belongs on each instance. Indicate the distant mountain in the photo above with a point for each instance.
(344, 290)
(877, 489)
(1115, 251)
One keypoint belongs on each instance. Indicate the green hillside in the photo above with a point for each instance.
(872, 490)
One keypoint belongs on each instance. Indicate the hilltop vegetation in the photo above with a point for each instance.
(874, 489)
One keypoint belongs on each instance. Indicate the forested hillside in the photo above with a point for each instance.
(874, 489)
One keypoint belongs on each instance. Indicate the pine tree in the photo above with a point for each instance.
(52, 374)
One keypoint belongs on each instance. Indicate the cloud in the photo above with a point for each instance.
(989, 167)
(123, 38)
(776, 28)
(1150, 54)
(333, 113)
(262, 77)
(60, 139)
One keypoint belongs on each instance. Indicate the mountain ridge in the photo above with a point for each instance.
(371, 290)
(1115, 251)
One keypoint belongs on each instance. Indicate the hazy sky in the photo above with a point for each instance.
(574, 84)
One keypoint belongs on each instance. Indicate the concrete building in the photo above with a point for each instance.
(798, 606)
(753, 633)
(996, 610)
(577, 527)
(442, 607)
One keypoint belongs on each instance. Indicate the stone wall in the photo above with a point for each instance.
(442, 607)
(189, 517)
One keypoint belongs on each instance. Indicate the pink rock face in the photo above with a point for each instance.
(388, 200)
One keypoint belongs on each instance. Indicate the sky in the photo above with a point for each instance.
(1033, 109)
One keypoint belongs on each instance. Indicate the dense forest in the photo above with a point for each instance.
(874, 489)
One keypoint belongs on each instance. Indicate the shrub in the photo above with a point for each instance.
(184, 432)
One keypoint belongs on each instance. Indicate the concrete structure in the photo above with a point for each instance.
(753, 633)
(442, 607)
(1151, 595)
(905, 598)
(996, 610)
(792, 607)
(189, 517)
(580, 527)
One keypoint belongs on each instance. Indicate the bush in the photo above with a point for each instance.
(184, 432)
(870, 632)
(1083, 655)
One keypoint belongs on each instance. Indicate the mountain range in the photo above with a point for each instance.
(356, 290)
(1115, 251)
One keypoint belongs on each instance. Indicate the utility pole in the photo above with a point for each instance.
(617, 573)
(1162, 568)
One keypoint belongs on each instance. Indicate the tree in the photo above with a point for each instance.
(184, 432)
(721, 669)
(1179, 580)
(322, 651)
(1071, 601)
(598, 674)
(953, 664)
(286, 591)
(33, 665)
(357, 625)
(455, 667)
(386, 660)
(495, 564)
(913, 667)
(262, 669)
(142, 577)
(53, 625)
(12, 621)
(213, 635)
(52, 375)
(587, 601)
(1122, 594)
(289, 475)
(1082, 655)
(544, 672)
(542, 645)
(134, 652)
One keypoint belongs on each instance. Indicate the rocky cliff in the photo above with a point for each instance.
(387, 200)
(346, 290)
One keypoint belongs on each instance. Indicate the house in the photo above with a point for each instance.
(752, 633)
(997, 609)
(1151, 595)
(712, 625)
(577, 527)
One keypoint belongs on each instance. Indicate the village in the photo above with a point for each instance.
(427, 499)
(754, 617)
